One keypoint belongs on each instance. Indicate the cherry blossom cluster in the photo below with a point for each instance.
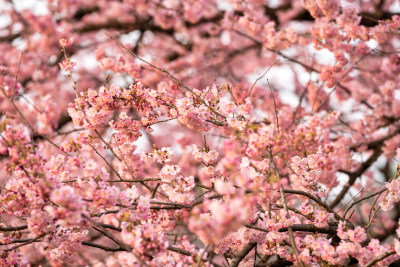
(163, 155)
(220, 218)
(392, 196)
(176, 186)
(128, 129)
(145, 240)
(93, 108)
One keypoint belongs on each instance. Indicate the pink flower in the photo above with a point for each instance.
(67, 65)
(65, 43)
(398, 153)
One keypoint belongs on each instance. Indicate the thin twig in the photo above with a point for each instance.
(129, 168)
(107, 144)
(352, 199)
(24, 244)
(16, 77)
(362, 199)
(262, 76)
(109, 165)
(290, 230)
(354, 175)
(153, 194)
(28, 124)
(371, 218)
(283, 197)
(315, 199)
(134, 180)
(108, 234)
(171, 204)
(276, 111)
(172, 77)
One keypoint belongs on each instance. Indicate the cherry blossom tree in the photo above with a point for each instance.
(199, 133)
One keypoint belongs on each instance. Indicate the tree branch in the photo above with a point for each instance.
(102, 247)
(354, 175)
(243, 253)
(13, 228)
(379, 258)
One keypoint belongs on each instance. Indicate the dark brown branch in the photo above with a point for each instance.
(26, 243)
(134, 180)
(315, 199)
(243, 253)
(110, 226)
(15, 241)
(294, 210)
(372, 19)
(188, 253)
(378, 143)
(368, 19)
(115, 24)
(180, 251)
(83, 11)
(279, 262)
(379, 258)
(102, 247)
(300, 228)
(13, 228)
(171, 204)
(107, 233)
(10, 38)
(354, 175)
(272, 13)
(290, 229)
(311, 228)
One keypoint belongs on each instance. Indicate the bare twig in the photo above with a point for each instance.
(109, 165)
(354, 175)
(172, 77)
(27, 123)
(283, 197)
(135, 180)
(362, 199)
(107, 233)
(290, 230)
(16, 77)
(171, 204)
(262, 76)
(107, 144)
(24, 244)
(315, 199)
(276, 111)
